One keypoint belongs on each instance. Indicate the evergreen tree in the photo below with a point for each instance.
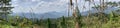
(49, 23)
(5, 8)
(63, 23)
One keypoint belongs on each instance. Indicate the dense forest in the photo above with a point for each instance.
(100, 19)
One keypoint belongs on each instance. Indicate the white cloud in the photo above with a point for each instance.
(14, 0)
(35, 0)
(42, 6)
(58, 5)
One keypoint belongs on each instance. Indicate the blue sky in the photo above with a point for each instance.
(43, 6)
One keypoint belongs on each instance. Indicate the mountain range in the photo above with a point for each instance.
(55, 14)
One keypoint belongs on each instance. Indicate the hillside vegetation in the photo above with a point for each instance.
(92, 20)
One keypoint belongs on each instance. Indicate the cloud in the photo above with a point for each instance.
(34, 0)
(42, 6)
(14, 0)
(58, 5)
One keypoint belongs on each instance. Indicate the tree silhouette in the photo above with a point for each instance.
(5, 8)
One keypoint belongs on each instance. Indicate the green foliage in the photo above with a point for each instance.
(49, 23)
(101, 20)
(63, 22)
(5, 7)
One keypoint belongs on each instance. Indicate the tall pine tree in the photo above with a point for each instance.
(5, 8)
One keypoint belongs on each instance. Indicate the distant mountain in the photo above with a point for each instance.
(55, 14)
(39, 15)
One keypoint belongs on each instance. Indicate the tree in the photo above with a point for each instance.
(5, 8)
(63, 23)
(77, 16)
(113, 4)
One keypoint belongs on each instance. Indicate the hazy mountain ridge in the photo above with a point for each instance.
(55, 14)
(38, 15)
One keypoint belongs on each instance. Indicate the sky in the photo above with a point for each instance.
(43, 6)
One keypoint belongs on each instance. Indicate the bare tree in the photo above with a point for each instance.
(76, 15)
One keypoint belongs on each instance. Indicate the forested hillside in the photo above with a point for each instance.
(103, 15)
